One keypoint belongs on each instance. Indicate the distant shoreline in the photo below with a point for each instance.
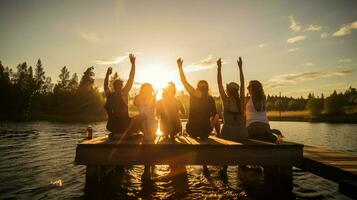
(292, 116)
(304, 116)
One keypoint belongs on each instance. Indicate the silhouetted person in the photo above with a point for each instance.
(146, 103)
(119, 123)
(233, 109)
(168, 110)
(203, 115)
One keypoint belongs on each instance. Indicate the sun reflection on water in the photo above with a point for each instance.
(57, 182)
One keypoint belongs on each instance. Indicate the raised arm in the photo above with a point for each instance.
(242, 86)
(181, 108)
(184, 81)
(130, 82)
(219, 81)
(106, 81)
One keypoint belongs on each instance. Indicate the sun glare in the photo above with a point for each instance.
(158, 75)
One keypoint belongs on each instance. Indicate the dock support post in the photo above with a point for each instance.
(92, 181)
(278, 182)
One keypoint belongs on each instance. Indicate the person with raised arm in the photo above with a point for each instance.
(233, 109)
(203, 115)
(119, 123)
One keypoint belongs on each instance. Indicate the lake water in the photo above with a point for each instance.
(36, 162)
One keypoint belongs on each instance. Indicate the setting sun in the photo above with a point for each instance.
(158, 74)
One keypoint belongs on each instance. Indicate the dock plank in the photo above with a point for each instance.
(187, 151)
(337, 166)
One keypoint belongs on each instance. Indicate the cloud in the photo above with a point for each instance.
(296, 39)
(324, 35)
(293, 49)
(89, 36)
(345, 60)
(115, 60)
(345, 29)
(309, 64)
(313, 28)
(284, 79)
(262, 45)
(294, 25)
(204, 64)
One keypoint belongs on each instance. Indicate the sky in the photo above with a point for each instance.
(292, 47)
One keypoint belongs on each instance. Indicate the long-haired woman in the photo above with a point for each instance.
(233, 109)
(203, 117)
(146, 102)
(257, 122)
(233, 106)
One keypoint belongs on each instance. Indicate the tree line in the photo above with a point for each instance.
(335, 103)
(27, 92)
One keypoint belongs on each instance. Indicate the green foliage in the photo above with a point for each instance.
(30, 92)
(87, 80)
(279, 105)
(39, 77)
(269, 106)
(334, 104)
(293, 105)
(315, 106)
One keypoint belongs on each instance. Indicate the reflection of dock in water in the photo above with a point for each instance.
(337, 166)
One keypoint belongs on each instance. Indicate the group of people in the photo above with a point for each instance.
(244, 116)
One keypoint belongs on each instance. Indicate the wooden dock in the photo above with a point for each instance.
(277, 159)
(337, 166)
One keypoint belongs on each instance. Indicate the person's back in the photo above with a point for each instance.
(233, 125)
(146, 103)
(117, 110)
(168, 110)
(233, 106)
(253, 115)
(120, 124)
(199, 120)
(257, 122)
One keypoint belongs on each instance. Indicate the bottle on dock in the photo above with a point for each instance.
(89, 132)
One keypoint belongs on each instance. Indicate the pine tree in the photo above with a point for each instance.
(21, 74)
(64, 78)
(87, 80)
(39, 75)
(73, 83)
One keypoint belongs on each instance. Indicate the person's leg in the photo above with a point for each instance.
(223, 173)
(137, 124)
(205, 171)
(257, 130)
(215, 123)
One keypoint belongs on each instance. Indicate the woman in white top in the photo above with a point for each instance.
(256, 119)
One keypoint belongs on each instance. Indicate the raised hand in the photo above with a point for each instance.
(240, 62)
(219, 63)
(132, 59)
(179, 63)
(109, 70)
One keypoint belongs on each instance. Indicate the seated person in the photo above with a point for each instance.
(257, 122)
(119, 123)
(168, 111)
